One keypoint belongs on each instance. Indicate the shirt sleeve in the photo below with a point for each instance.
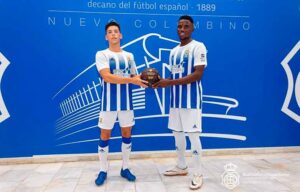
(101, 61)
(200, 55)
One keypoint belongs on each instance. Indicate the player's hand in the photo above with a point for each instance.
(138, 81)
(162, 83)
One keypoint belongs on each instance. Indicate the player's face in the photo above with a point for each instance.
(184, 29)
(113, 35)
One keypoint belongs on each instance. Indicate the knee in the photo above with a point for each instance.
(126, 132)
(105, 134)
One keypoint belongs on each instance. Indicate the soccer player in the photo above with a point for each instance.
(118, 72)
(187, 62)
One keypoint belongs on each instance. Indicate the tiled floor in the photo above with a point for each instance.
(278, 172)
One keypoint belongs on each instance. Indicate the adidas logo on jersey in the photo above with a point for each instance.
(195, 126)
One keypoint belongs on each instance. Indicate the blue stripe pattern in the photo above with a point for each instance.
(113, 93)
(184, 53)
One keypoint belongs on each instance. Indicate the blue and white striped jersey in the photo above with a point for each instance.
(116, 97)
(182, 61)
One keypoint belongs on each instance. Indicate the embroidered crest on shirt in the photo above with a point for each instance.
(186, 53)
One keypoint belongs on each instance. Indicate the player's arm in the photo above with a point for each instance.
(115, 79)
(195, 76)
(102, 65)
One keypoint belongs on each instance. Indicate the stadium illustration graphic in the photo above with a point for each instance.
(79, 99)
(4, 114)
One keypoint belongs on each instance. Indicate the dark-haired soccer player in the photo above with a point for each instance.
(187, 62)
(118, 72)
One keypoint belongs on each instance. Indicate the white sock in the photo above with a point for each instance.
(180, 143)
(102, 153)
(196, 149)
(126, 149)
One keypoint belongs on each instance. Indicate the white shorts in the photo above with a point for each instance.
(107, 119)
(185, 120)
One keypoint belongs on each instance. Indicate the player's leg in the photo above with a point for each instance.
(192, 126)
(196, 149)
(126, 146)
(106, 123)
(126, 119)
(180, 143)
(103, 149)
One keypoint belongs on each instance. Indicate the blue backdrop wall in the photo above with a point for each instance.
(50, 90)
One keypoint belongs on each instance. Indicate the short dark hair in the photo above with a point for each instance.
(186, 17)
(112, 23)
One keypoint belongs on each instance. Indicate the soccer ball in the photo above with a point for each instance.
(151, 75)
